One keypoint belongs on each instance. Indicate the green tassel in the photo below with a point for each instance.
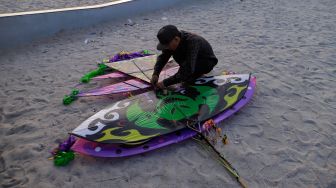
(63, 158)
(68, 99)
(146, 52)
(99, 71)
(74, 92)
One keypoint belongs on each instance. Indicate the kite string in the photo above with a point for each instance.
(140, 70)
(222, 160)
(198, 131)
(132, 85)
(226, 165)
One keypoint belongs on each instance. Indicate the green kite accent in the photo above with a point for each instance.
(99, 71)
(63, 158)
(208, 96)
(141, 118)
(179, 108)
(68, 99)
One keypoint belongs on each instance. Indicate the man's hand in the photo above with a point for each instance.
(154, 79)
(160, 85)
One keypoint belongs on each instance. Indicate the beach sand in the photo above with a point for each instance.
(285, 137)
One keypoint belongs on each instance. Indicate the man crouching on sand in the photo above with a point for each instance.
(193, 54)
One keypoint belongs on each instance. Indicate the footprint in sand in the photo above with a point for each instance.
(40, 100)
(2, 163)
(2, 118)
(14, 176)
(332, 184)
(25, 128)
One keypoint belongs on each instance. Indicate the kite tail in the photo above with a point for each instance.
(210, 148)
(99, 71)
(68, 99)
(63, 154)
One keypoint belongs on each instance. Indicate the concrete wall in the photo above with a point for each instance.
(19, 28)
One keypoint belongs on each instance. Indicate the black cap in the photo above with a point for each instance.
(165, 35)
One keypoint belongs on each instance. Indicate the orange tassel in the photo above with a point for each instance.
(225, 140)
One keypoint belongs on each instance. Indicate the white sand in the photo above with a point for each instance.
(286, 137)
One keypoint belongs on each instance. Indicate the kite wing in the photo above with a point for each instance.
(142, 67)
(125, 86)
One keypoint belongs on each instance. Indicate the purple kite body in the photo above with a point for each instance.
(116, 150)
(111, 75)
(126, 86)
(127, 55)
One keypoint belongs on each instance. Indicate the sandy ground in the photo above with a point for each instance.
(11, 6)
(286, 136)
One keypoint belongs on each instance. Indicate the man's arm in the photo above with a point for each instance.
(161, 61)
(176, 78)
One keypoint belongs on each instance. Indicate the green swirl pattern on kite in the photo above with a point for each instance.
(181, 106)
(142, 118)
(176, 107)
(208, 96)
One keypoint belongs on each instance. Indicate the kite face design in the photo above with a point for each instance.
(145, 116)
(222, 79)
(96, 123)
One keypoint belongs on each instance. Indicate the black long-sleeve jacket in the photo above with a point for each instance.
(193, 55)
